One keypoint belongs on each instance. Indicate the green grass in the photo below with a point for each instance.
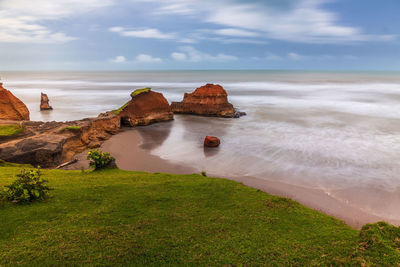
(139, 91)
(72, 128)
(10, 130)
(115, 217)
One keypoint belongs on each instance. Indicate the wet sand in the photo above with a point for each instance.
(128, 150)
(132, 150)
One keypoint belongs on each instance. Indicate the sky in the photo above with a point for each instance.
(199, 34)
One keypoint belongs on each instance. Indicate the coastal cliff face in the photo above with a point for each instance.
(11, 108)
(208, 100)
(144, 108)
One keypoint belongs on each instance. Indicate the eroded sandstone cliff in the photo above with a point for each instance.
(207, 100)
(11, 108)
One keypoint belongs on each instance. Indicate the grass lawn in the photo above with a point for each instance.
(9, 130)
(116, 217)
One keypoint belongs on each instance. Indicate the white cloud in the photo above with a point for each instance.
(295, 56)
(142, 33)
(118, 59)
(144, 58)
(23, 21)
(304, 21)
(236, 32)
(189, 53)
(178, 56)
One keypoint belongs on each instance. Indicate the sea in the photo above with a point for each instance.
(334, 131)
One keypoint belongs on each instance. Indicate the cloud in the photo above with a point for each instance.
(236, 32)
(144, 58)
(301, 21)
(118, 59)
(179, 56)
(295, 56)
(189, 53)
(23, 21)
(142, 33)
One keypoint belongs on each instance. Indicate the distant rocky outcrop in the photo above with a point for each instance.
(11, 108)
(44, 102)
(144, 108)
(208, 100)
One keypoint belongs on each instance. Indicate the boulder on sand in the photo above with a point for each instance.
(44, 102)
(207, 100)
(211, 141)
(11, 108)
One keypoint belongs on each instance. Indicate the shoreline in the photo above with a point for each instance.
(132, 153)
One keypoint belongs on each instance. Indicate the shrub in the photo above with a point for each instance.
(28, 187)
(100, 160)
(204, 173)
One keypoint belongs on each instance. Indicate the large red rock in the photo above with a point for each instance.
(208, 100)
(144, 108)
(211, 141)
(11, 108)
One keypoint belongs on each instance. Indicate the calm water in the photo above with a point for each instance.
(339, 132)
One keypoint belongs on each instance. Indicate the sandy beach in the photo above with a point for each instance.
(132, 151)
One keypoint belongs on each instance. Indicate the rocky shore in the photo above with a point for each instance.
(49, 144)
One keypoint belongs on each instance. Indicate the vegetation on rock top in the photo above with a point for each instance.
(139, 91)
(118, 111)
(10, 130)
(73, 128)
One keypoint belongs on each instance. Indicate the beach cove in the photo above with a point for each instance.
(309, 136)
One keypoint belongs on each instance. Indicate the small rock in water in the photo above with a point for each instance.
(211, 141)
(44, 102)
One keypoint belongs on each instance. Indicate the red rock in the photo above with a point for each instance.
(44, 102)
(11, 108)
(211, 141)
(208, 100)
(144, 108)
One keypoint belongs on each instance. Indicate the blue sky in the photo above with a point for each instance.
(199, 34)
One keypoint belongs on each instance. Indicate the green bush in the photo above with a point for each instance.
(99, 159)
(28, 187)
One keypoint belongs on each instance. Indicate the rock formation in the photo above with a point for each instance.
(11, 108)
(144, 108)
(44, 102)
(208, 100)
(211, 141)
(49, 144)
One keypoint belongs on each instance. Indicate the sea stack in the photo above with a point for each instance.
(11, 108)
(208, 100)
(144, 108)
(44, 102)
